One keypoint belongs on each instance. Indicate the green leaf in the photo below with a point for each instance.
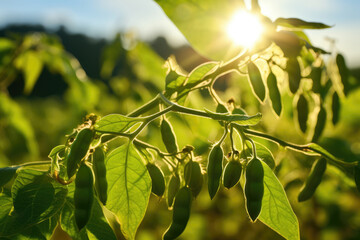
(294, 72)
(264, 153)
(235, 118)
(256, 81)
(6, 174)
(116, 123)
(36, 196)
(204, 23)
(31, 64)
(129, 187)
(298, 23)
(199, 73)
(274, 93)
(276, 210)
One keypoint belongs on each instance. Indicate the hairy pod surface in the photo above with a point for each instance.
(172, 189)
(181, 214)
(157, 180)
(313, 180)
(193, 177)
(254, 187)
(335, 107)
(99, 168)
(78, 150)
(168, 136)
(232, 173)
(83, 195)
(214, 169)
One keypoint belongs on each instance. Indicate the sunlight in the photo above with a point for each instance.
(244, 29)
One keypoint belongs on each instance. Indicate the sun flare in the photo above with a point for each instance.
(244, 29)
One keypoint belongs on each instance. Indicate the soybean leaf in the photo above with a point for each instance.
(298, 23)
(116, 123)
(294, 72)
(276, 210)
(274, 93)
(6, 206)
(31, 64)
(204, 23)
(6, 174)
(129, 187)
(235, 118)
(55, 151)
(200, 72)
(36, 196)
(302, 109)
(256, 81)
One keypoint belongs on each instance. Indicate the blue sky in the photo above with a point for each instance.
(103, 18)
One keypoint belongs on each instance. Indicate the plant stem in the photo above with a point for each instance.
(34, 163)
(146, 107)
(306, 149)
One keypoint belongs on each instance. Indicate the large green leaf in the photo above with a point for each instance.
(31, 64)
(276, 211)
(6, 174)
(116, 123)
(298, 23)
(36, 196)
(129, 187)
(204, 23)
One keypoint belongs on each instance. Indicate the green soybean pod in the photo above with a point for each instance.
(320, 124)
(181, 214)
(157, 179)
(357, 176)
(193, 177)
(302, 109)
(313, 180)
(254, 188)
(214, 169)
(232, 173)
(294, 72)
(83, 195)
(172, 189)
(78, 150)
(274, 93)
(335, 107)
(100, 174)
(168, 136)
(343, 72)
(256, 81)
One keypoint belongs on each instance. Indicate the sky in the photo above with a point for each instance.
(145, 19)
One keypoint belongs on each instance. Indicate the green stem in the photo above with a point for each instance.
(34, 163)
(146, 107)
(302, 148)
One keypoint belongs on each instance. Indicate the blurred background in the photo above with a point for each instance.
(107, 57)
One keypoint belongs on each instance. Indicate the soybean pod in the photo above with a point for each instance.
(172, 189)
(193, 177)
(181, 214)
(214, 169)
(254, 188)
(78, 150)
(157, 179)
(100, 174)
(83, 195)
(313, 180)
(232, 173)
